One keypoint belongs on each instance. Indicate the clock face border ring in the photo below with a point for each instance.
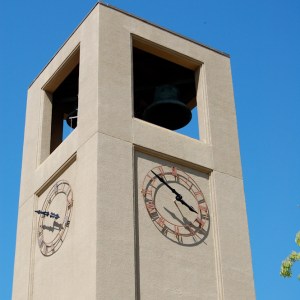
(191, 232)
(50, 247)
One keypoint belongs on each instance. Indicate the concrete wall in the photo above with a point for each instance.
(70, 273)
(112, 249)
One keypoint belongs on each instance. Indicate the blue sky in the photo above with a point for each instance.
(262, 38)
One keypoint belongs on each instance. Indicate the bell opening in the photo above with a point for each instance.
(164, 90)
(64, 108)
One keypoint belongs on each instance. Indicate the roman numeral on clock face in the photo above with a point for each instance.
(202, 208)
(177, 234)
(174, 172)
(200, 222)
(205, 216)
(185, 223)
(146, 192)
(40, 231)
(198, 195)
(165, 230)
(161, 222)
(154, 215)
(70, 204)
(150, 206)
(188, 184)
(162, 172)
(55, 232)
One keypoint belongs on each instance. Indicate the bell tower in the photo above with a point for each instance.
(115, 202)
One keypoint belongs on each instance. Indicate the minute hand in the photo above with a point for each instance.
(165, 183)
(178, 196)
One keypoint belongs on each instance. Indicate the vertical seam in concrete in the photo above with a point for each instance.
(134, 193)
(136, 228)
(216, 236)
(32, 251)
(97, 217)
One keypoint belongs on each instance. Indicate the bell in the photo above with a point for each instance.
(167, 110)
(71, 118)
(70, 107)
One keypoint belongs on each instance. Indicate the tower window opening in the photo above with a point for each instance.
(164, 91)
(64, 109)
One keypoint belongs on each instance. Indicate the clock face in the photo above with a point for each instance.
(176, 205)
(54, 218)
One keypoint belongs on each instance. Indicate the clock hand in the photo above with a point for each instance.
(165, 183)
(53, 215)
(46, 214)
(41, 212)
(184, 203)
(178, 196)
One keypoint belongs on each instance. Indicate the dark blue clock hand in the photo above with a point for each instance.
(53, 215)
(178, 196)
(46, 214)
(41, 212)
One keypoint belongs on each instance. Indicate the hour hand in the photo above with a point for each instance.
(178, 196)
(184, 203)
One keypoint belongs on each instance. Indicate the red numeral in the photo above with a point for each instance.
(154, 215)
(188, 183)
(198, 193)
(150, 206)
(146, 192)
(160, 222)
(153, 182)
(165, 230)
(202, 208)
(162, 172)
(40, 241)
(200, 221)
(174, 171)
(55, 189)
(177, 234)
(70, 203)
(176, 230)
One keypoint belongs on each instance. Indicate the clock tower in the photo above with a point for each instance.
(115, 202)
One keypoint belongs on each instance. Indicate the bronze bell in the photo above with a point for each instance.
(167, 110)
(72, 118)
(70, 105)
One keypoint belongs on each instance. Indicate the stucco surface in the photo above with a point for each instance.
(112, 249)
